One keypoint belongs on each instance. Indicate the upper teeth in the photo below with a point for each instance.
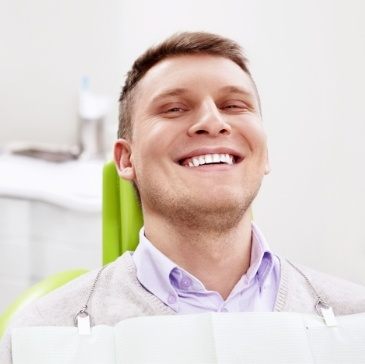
(210, 158)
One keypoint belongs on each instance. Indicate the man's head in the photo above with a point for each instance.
(191, 137)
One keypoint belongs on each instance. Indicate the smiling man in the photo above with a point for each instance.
(191, 140)
(196, 150)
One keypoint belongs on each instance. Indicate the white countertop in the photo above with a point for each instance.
(75, 185)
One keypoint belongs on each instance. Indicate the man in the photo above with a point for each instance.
(191, 140)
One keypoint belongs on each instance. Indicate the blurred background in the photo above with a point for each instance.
(62, 66)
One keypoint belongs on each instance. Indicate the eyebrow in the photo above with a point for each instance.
(235, 89)
(182, 91)
(169, 93)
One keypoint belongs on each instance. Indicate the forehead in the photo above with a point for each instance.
(193, 72)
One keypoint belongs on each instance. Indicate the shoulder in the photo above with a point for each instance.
(343, 296)
(112, 293)
(54, 309)
(116, 295)
(59, 307)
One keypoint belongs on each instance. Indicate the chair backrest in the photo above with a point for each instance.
(121, 215)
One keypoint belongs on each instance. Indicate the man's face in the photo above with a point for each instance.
(198, 145)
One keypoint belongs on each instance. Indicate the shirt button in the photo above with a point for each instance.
(224, 309)
(185, 282)
(171, 299)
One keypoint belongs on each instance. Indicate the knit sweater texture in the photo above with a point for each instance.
(118, 295)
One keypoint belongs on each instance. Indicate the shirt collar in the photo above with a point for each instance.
(153, 271)
(261, 261)
(163, 278)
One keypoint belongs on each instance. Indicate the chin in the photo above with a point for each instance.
(214, 212)
(218, 199)
(221, 205)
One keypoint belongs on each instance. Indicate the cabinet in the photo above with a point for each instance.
(49, 222)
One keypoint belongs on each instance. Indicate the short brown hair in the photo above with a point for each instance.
(185, 43)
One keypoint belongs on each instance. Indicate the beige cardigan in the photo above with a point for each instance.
(119, 295)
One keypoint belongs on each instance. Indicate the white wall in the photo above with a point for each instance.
(307, 58)
(47, 47)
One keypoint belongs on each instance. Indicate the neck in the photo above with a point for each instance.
(217, 258)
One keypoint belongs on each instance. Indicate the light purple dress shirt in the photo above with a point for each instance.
(180, 290)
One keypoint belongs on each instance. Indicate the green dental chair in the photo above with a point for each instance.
(121, 219)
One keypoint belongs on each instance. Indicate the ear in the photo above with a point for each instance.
(123, 159)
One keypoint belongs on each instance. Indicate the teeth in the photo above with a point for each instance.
(216, 158)
(210, 158)
(196, 161)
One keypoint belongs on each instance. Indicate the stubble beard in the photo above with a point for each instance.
(205, 214)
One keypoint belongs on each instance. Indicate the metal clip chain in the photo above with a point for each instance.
(320, 300)
(83, 312)
(322, 307)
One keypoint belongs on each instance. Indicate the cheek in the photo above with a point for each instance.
(151, 129)
(146, 157)
(156, 138)
(254, 135)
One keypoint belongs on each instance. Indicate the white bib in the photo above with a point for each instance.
(248, 337)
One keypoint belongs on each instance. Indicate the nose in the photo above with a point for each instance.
(209, 121)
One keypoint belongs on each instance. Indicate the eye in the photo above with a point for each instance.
(174, 109)
(235, 105)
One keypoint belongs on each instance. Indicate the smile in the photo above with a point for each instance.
(207, 159)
